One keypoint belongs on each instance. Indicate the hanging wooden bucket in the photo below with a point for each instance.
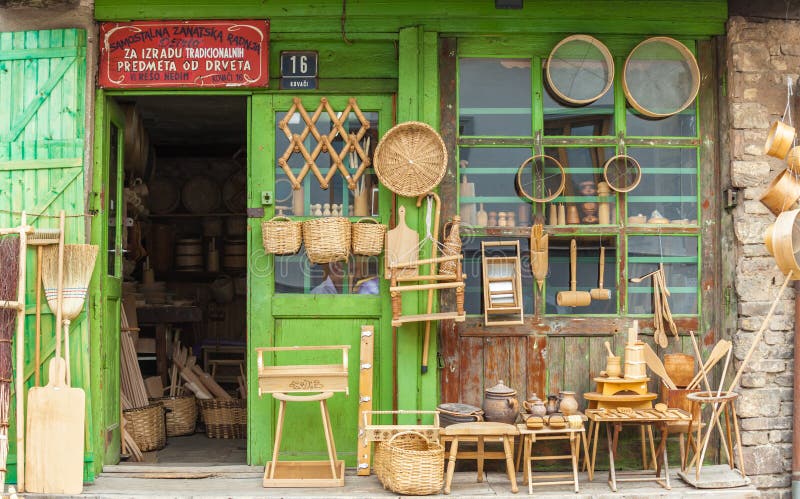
(786, 243)
(782, 194)
(793, 160)
(768, 239)
(779, 140)
(189, 254)
(680, 368)
(235, 254)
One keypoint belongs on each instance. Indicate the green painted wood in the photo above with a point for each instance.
(293, 319)
(42, 83)
(702, 17)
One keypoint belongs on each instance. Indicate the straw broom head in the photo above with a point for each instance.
(79, 260)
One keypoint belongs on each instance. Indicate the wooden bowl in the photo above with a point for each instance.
(782, 194)
(779, 140)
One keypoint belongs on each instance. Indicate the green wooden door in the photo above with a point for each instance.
(42, 81)
(106, 232)
(286, 307)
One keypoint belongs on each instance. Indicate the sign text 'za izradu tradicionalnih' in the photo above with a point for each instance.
(184, 54)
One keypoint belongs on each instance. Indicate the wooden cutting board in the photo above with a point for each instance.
(402, 245)
(56, 417)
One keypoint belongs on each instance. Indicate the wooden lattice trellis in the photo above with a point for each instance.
(352, 142)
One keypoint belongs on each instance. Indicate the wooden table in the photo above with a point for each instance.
(480, 432)
(614, 419)
(531, 436)
(160, 316)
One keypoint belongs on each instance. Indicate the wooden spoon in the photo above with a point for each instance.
(655, 365)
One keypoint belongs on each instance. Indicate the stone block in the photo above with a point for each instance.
(780, 436)
(751, 230)
(750, 56)
(753, 207)
(759, 403)
(784, 379)
(766, 365)
(785, 306)
(779, 423)
(749, 173)
(763, 460)
(754, 380)
(749, 115)
(753, 438)
(790, 48)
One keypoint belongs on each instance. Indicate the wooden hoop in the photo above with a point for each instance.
(786, 243)
(638, 171)
(693, 67)
(551, 196)
(609, 59)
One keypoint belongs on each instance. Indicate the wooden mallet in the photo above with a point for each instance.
(573, 298)
(599, 293)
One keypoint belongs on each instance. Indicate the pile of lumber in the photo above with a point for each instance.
(194, 378)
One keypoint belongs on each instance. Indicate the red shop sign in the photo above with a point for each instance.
(150, 54)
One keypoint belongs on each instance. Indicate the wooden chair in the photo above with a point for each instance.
(480, 432)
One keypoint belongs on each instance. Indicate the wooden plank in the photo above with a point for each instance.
(537, 366)
(365, 393)
(518, 366)
(496, 365)
(556, 364)
(577, 377)
(471, 372)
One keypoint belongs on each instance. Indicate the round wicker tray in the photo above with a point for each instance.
(411, 159)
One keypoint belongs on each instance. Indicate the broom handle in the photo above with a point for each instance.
(66, 350)
(37, 376)
(60, 282)
(19, 389)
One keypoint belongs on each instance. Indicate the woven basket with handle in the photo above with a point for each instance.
(327, 239)
(181, 414)
(281, 236)
(411, 159)
(368, 236)
(225, 418)
(413, 464)
(146, 426)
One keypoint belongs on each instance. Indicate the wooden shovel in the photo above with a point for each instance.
(655, 365)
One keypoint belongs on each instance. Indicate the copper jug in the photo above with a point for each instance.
(500, 404)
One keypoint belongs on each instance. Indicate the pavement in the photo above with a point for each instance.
(222, 482)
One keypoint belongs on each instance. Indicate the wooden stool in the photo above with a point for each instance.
(531, 436)
(480, 431)
(728, 410)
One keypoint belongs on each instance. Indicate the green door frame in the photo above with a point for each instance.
(262, 330)
(105, 326)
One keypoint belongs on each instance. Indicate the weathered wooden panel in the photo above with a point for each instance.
(42, 77)
(471, 371)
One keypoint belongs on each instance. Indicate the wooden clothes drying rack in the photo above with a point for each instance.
(313, 383)
(502, 285)
(442, 281)
(19, 306)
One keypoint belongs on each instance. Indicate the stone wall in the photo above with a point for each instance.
(760, 57)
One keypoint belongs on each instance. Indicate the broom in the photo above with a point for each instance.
(79, 260)
(40, 238)
(9, 279)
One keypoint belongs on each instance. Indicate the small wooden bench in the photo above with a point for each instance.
(480, 432)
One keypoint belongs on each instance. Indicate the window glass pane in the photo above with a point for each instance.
(490, 175)
(588, 270)
(311, 200)
(592, 119)
(668, 186)
(683, 124)
(495, 97)
(295, 274)
(584, 171)
(473, 297)
(679, 255)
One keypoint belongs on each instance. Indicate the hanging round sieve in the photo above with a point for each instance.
(661, 77)
(622, 173)
(547, 178)
(785, 242)
(580, 69)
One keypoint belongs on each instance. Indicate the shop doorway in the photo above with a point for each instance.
(184, 276)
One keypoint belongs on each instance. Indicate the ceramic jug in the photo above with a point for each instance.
(534, 406)
(500, 404)
(568, 404)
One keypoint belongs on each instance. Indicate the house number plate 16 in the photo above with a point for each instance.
(299, 70)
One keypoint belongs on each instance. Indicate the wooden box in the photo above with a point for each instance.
(302, 378)
(676, 399)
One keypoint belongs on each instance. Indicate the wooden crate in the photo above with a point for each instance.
(302, 378)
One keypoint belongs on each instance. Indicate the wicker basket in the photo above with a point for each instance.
(281, 236)
(368, 237)
(146, 426)
(225, 418)
(411, 159)
(414, 465)
(451, 246)
(181, 414)
(327, 239)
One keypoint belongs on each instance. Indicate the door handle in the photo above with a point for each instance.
(114, 250)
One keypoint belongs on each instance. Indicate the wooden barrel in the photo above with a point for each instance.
(235, 257)
(189, 254)
(635, 365)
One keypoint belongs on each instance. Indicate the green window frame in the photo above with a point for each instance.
(628, 262)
